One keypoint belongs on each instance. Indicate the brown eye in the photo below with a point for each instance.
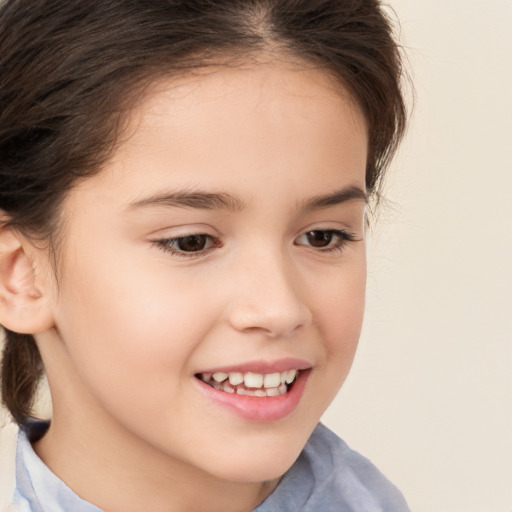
(326, 240)
(191, 246)
(191, 243)
(319, 238)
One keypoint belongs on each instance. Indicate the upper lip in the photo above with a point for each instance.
(262, 366)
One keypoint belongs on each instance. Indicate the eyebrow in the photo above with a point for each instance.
(195, 199)
(350, 193)
(224, 201)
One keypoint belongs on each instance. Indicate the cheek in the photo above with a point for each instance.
(339, 319)
(341, 302)
(124, 325)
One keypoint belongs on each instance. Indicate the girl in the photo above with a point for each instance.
(182, 247)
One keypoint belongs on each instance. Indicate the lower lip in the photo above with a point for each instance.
(259, 409)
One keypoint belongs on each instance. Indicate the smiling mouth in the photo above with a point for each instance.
(251, 384)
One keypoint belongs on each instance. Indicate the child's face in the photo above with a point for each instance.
(192, 253)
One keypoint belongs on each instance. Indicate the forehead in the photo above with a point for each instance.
(244, 86)
(232, 128)
(256, 103)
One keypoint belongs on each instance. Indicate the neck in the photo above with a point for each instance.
(134, 476)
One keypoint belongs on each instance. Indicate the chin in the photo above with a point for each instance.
(257, 471)
(264, 460)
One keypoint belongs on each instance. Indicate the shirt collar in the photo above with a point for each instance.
(38, 487)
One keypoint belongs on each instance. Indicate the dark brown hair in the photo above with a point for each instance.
(70, 68)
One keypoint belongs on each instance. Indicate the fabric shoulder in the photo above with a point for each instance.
(8, 440)
(350, 478)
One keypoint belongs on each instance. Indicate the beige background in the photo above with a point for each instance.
(429, 399)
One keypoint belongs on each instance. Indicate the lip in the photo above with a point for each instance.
(258, 409)
(262, 366)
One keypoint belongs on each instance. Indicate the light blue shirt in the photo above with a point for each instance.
(327, 477)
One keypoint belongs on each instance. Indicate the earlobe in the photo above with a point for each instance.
(24, 306)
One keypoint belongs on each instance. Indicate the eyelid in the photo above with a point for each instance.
(344, 237)
(182, 230)
(165, 244)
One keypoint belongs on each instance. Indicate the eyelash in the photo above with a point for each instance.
(342, 237)
(168, 244)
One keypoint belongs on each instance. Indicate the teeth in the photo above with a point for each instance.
(272, 380)
(220, 376)
(253, 380)
(262, 392)
(251, 384)
(290, 376)
(228, 388)
(236, 378)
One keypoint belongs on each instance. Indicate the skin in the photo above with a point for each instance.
(131, 323)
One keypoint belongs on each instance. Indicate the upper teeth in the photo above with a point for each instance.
(253, 380)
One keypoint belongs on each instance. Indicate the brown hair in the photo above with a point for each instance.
(68, 69)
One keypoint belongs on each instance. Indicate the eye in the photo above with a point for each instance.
(326, 239)
(190, 245)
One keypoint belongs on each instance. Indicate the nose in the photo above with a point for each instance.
(267, 299)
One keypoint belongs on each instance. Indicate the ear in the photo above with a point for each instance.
(24, 304)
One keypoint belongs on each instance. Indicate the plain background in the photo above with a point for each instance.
(429, 397)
